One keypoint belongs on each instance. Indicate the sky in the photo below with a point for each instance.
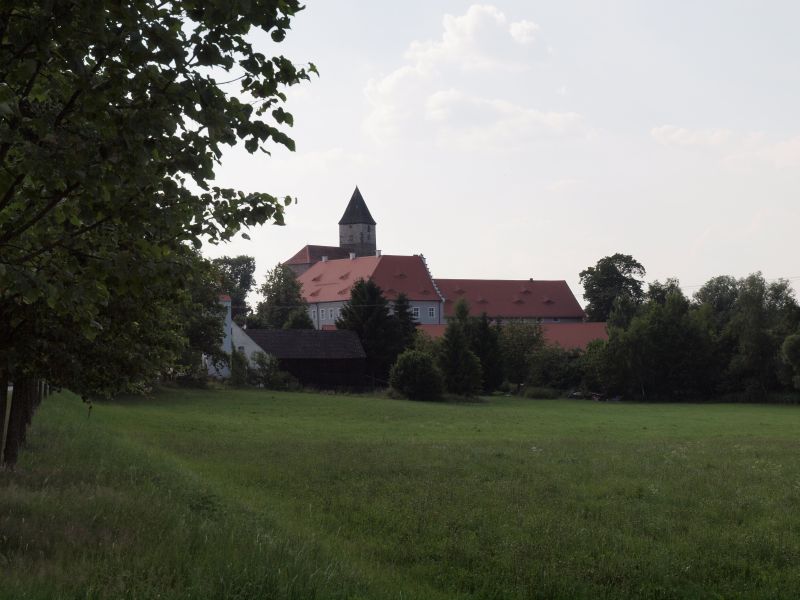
(524, 139)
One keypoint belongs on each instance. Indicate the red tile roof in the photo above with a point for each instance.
(310, 254)
(566, 335)
(331, 281)
(224, 298)
(508, 298)
(434, 331)
(573, 335)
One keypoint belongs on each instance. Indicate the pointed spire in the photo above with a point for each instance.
(356, 212)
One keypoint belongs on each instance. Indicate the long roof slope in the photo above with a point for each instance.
(511, 298)
(308, 343)
(356, 211)
(331, 281)
(312, 253)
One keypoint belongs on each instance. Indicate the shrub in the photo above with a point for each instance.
(239, 369)
(416, 376)
(266, 373)
(542, 393)
(554, 367)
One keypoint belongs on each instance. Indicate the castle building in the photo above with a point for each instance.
(357, 237)
(327, 274)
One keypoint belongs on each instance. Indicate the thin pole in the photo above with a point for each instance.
(8, 399)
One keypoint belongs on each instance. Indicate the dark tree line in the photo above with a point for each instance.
(734, 337)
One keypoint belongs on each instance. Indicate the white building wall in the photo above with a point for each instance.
(223, 371)
(326, 313)
(244, 343)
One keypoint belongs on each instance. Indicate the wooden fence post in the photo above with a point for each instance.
(5, 413)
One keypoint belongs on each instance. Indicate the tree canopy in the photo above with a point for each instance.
(381, 333)
(283, 306)
(113, 117)
(612, 277)
(236, 280)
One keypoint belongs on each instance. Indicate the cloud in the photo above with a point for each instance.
(680, 136)
(474, 122)
(478, 39)
(523, 32)
(439, 92)
(735, 149)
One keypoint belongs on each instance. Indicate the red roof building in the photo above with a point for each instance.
(326, 285)
(570, 336)
(312, 254)
(504, 299)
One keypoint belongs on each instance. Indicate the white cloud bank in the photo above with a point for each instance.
(738, 149)
(439, 93)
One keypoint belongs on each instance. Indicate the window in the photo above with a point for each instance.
(415, 312)
(313, 314)
(332, 313)
(432, 312)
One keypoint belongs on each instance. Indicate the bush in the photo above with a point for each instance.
(542, 393)
(239, 369)
(267, 373)
(416, 376)
(555, 367)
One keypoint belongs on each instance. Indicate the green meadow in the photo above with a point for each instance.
(253, 494)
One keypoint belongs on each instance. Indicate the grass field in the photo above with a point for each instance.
(265, 495)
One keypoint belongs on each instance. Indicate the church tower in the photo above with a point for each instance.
(357, 227)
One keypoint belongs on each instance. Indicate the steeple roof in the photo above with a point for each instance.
(356, 212)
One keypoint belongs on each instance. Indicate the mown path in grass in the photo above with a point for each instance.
(266, 495)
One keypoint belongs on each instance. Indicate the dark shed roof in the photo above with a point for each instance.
(308, 343)
(356, 212)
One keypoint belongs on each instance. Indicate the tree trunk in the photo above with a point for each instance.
(16, 423)
(5, 412)
(27, 403)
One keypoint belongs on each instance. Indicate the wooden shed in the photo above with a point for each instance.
(326, 359)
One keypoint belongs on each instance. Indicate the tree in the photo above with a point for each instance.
(666, 353)
(283, 301)
(459, 365)
(299, 319)
(518, 341)
(406, 325)
(484, 342)
(236, 280)
(791, 354)
(612, 277)
(555, 367)
(764, 314)
(367, 313)
(142, 90)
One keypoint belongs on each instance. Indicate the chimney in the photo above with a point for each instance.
(352, 256)
(324, 259)
(377, 252)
